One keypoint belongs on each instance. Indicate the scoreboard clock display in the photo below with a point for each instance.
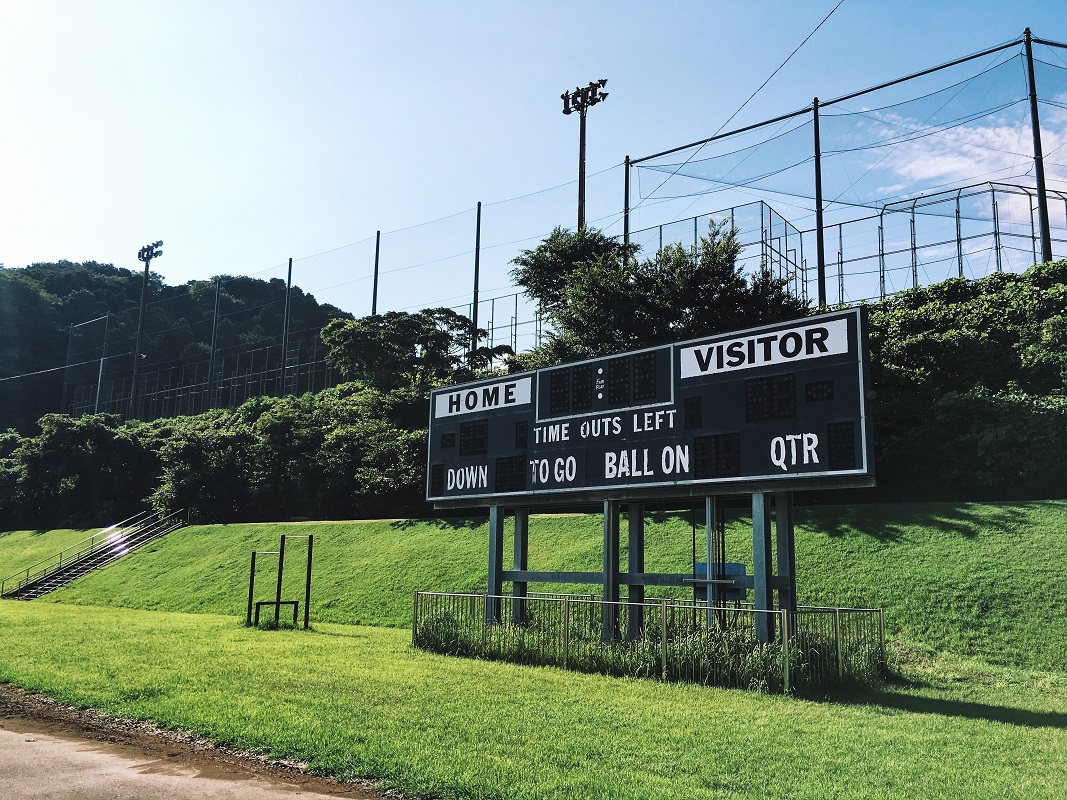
(781, 406)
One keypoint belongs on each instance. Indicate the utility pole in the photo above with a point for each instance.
(145, 254)
(580, 100)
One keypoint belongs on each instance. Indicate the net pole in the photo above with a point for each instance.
(1039, 166)
(820, 244)
(374, 290)
(474, 302)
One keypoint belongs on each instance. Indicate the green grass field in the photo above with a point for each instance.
(358, 701)
(22, 549)
(975, 599)
(970, 579)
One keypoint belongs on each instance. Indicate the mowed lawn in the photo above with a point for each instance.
(984, 580)
(359, 702)
(22, 549)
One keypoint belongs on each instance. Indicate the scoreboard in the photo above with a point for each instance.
(779, 407)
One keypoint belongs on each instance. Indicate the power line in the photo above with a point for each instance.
(790, 56)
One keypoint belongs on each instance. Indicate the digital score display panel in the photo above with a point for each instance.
(782, 404)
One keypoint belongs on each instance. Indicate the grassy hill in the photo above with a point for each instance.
(985, 580)
(962, 585)
(22, 549)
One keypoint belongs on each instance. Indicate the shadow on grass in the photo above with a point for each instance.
(889, 699)
(458, 523)
(889, 523)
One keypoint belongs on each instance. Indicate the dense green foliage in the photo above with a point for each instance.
(961, 578)
(972, 387)
(971, 381)
(345, 452)
(601, 299)
(416, 352)
(39, 302)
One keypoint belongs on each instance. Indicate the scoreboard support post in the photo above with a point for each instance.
(610, 612)
(635, 565)
(495, 586)
(714, 553)
(786, 553)
(519, 589)
(761, 565)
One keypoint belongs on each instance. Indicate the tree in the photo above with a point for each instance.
(545, 271)
(611, 302)
(401, 350)
(76, 472)
(40, 302)
(997, 343)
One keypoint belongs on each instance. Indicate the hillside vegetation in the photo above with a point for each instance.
(970, 378)
(41, 301)
(982, 580)
(22, 549)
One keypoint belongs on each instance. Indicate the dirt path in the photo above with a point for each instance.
(49, 750)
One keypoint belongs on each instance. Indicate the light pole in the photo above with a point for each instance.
(145, 254)
(580, 100)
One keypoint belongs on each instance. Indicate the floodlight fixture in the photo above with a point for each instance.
(145, 254)
(150, 251)
(580, 100)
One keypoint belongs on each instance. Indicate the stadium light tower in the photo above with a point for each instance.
(145, 254)
(580, 100)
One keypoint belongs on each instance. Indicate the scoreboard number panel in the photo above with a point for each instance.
(781, 404)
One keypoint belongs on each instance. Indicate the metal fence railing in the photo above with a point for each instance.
(809, 650)
(114, 540)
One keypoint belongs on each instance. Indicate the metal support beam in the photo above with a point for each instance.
(374, 290)
(840, 266)
(477, 257)
(103, 358)
(285, 331)
(610, 608)
(881, 254)
(785, 534)
(495, 586)
(520, 589)
(210, 400)
(251, 591)
(959, 237)
(761, 564)
(278, 593)
(1039, 165)
(635, 565)
(996, 229)
(307, 585)
(714, 555)
(914, 252)
(819, 242)
(581, 166)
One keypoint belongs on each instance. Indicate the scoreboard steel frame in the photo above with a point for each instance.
(777, 408)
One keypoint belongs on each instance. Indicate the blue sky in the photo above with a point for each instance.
(243, 133)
